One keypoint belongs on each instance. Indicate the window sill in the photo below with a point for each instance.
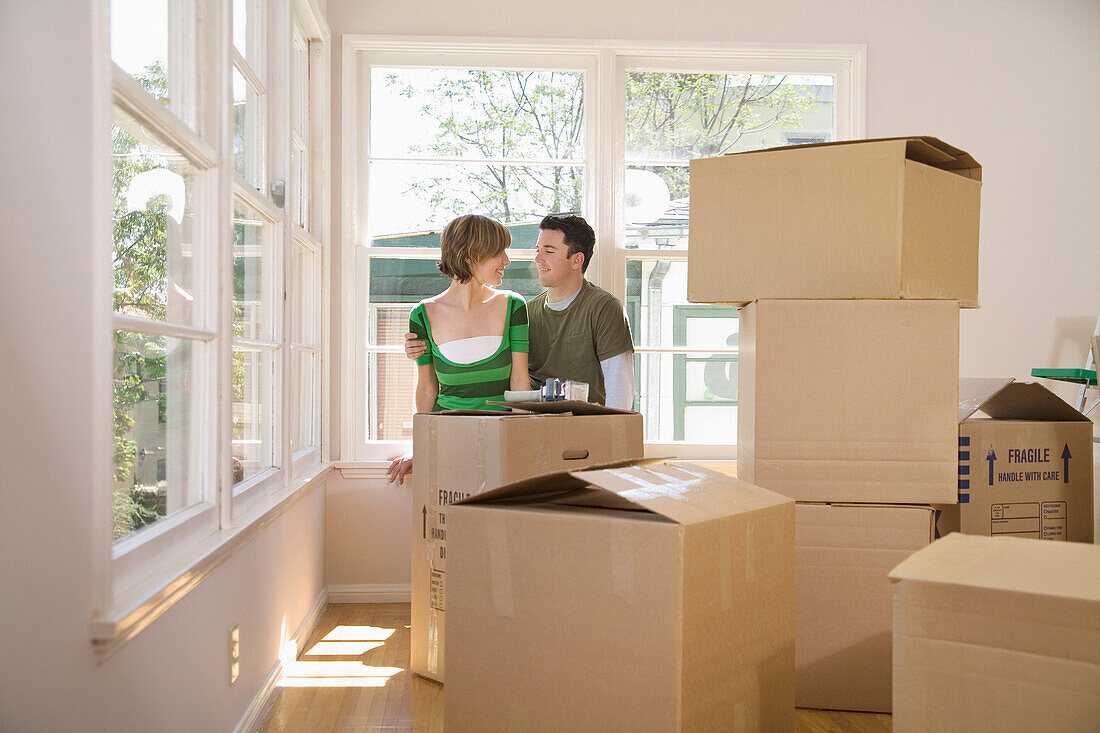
(130, 615)
(363, 469)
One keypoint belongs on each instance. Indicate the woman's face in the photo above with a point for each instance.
(491, 271)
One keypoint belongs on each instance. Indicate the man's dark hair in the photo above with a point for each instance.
(578, 235)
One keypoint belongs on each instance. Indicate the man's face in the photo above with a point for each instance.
(555, 266)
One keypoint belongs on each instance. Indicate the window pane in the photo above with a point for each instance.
(154, 225)
(409, 198)
(661, 317)
(655, 207)
(679, 116)
(299, 85)
(248, 132)
(148, 42)
(477, 113)
(687, 397)
(153, 432)
(248, 33)
(299, 171)
(394, 280)
(253, 408)
(307, 430)
(674, 117)
(307, 298)
(253, 279)
(390, 412)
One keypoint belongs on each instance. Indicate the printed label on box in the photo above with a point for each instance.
(1020, 519)
(436, 591)
(1055, 520)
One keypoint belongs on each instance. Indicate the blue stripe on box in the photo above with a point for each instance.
(964, 440)
(964, 498)
(964, 470)
(964, 483)
(964, 455)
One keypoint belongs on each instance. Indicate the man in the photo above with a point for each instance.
(576, 329)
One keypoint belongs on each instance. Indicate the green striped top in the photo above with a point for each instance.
(469, 386)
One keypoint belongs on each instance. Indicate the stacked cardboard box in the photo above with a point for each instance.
(460, 454)
(843, 553)
(850, 262)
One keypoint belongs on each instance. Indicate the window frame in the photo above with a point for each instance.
(605, 92)
(138, 577)
(572, 61)
(152, 550)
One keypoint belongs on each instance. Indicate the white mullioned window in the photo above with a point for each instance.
(499, 134)
(517, 130)
(217, 330)
(308, 254)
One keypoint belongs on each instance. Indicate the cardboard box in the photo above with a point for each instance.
(997, 634)
(1026, 469)
(849, 400)
(642, 598)
(843, 611)
(892, 218)
(459, 454)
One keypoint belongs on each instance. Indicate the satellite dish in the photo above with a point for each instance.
(647, 196)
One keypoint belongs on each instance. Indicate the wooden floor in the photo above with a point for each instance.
(352, 676)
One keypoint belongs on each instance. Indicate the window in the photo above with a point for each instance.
(676, 110)
(606, 132)
(481, 135)
(216, 400)
(307, 253)
(164, 262)
(257, 290)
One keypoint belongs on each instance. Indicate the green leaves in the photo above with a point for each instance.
(686, 115)
(501, 115)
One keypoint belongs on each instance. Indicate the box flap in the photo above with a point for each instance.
(922, 149)
(1014, 401)
(1056, 569)
(474, 413)
(974, 391)
(545, 486)
(683, 492)
(575, 407)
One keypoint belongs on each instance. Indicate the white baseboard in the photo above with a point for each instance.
(370, 593)
(254, 717)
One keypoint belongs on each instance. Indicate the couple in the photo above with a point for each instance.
(471, 341)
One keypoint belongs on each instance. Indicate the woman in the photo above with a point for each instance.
(476, 334)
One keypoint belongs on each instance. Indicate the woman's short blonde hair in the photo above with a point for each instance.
(468, 240)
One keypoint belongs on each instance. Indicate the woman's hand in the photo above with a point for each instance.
(400, 466)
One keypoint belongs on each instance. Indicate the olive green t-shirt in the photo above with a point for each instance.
(571, 343)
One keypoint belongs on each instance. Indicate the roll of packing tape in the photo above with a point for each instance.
(529, 395)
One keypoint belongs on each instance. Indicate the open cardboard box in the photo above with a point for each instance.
(1027, 468)
(888, 218)
(641, 597)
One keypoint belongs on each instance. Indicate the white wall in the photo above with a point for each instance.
(1010, 81)
(174, 675)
